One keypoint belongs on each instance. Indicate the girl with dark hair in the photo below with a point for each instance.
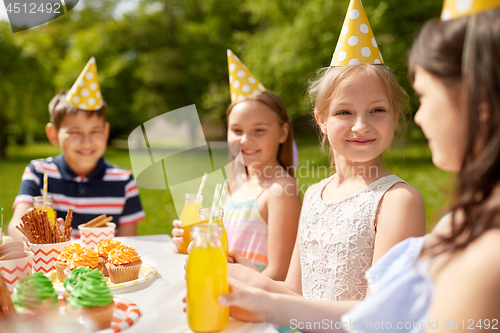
(449, 278)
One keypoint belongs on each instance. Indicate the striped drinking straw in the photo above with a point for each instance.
(217, 191)
(202, 185)
(45, 185)
(223, 194)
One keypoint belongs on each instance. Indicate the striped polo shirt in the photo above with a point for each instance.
(106, 190)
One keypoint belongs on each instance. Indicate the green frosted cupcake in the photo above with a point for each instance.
(91, 297)
(81, 273)
(33, 292)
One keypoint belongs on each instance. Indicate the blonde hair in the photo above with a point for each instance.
(323, 90)
(270, 99)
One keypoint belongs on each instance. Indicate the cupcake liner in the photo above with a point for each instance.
(60, 267)
(100, 266)
(66, 272)
(100, 315)
(103, 261)
(125, 272)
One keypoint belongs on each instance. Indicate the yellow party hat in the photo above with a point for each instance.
(453, 9)
(86, 92)
(242, 82)
(356, 45)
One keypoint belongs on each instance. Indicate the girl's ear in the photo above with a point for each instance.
(285, 129)
(321, 122)
(51, 132)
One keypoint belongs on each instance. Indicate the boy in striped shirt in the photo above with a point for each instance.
(79, 177)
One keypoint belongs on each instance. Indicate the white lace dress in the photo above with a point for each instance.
(336, 241)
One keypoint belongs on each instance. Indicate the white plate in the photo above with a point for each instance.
(147, 273)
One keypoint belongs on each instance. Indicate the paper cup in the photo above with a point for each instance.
(15, 269)
(90, 237)
(46, 255)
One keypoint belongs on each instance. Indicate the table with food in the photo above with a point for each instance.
(102, 283)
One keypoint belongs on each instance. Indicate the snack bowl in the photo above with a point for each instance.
(15, 269)
(90, 237)
(45, 255)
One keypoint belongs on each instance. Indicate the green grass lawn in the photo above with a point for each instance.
(411, 162)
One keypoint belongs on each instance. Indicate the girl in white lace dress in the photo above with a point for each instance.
(349, 220)
(352, 218)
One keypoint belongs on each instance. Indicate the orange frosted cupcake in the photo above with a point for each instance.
(62, 260)
(83, 257)
(123, 264)
(103, 249)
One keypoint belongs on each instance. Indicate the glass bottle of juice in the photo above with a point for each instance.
(38, 205)
(205, 218)
(206, 277)
(189, 217)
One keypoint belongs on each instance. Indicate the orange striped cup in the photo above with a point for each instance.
(15, 269)
(90, 237)
(45, 255)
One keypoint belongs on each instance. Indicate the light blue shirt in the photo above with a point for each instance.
(401, 291)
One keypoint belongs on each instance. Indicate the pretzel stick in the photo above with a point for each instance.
(67, 225)
(94, 221)
(103, 222)
(69, 228)
(40, 230)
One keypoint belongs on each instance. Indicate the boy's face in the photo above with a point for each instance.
(83, 141)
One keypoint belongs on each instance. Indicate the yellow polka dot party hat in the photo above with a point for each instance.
(356, 45)
(242, 82)
(453, 9)
(86, 92)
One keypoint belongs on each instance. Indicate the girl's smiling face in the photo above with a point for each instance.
(258, 131)
(360, 122)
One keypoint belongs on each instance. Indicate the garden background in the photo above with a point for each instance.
(154, 56)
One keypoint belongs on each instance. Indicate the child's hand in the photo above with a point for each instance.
(246, 303)
(238, 258)
(177, 234)
(246, 275)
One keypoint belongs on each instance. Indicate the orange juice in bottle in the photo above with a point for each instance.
(189, 217)
(39, 206)
(206, 277)
(205, 218)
